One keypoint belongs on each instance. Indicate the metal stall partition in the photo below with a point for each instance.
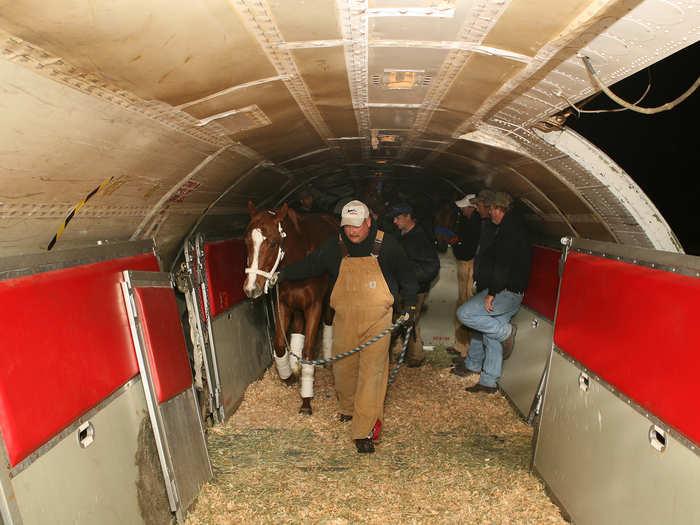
(75, 431)
(206, 373)
(619, 431)
(523, 371)
(237, 328)
(167, 381)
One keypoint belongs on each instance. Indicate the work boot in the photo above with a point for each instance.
(463, 371)
(344, 418)
(415, 363)
(364, 446)
(509, 342)
(481, 388)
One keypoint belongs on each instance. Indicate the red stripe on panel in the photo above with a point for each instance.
(636, 328)
(66, 347)
(165, 343)
(541, 293)
(226, 261)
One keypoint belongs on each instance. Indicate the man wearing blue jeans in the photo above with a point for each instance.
(501, 279)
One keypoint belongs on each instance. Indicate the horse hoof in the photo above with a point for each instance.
(305, 410)
(290, 381)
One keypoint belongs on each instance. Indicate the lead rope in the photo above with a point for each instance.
(401, 320)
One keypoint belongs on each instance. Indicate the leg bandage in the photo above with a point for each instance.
(282, 364)
(307, 380)
(296, 345)
(327, 340)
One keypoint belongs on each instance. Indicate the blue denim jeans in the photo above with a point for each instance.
(485, 351)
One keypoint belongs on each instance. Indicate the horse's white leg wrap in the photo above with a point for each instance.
(307, 380)
(296, 345)
(327, 340)
(282, 363)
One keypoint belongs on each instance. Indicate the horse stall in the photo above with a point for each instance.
(231, 333)
(619, 430)
(96, 401)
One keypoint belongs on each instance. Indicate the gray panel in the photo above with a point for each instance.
(242, 349)
(109, 481)
(179, 436)
(522, 372)
(593, 451)
(188, 449)
(437, 324)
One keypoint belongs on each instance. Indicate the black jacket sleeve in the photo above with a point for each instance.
(324, 259)
(398, 265)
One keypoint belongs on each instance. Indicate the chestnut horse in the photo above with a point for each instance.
(274, 239)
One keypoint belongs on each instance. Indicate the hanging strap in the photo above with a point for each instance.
(377, 243)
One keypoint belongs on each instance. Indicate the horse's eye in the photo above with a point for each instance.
(273, 244)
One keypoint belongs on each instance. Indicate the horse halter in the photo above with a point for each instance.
(280, 256)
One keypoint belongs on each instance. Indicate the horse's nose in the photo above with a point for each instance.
(253, 293)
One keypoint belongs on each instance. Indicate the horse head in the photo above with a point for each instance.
(264, 239)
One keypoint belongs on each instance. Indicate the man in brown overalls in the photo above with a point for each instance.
(368, 270)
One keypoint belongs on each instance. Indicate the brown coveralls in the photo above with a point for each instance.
(362, 303)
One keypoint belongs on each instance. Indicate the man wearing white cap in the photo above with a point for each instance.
(369, 271)
(468, 231)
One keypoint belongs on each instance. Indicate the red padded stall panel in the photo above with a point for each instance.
(541, 293)
(636, 328)
(226, 261)
(165, 343)
(66, 347)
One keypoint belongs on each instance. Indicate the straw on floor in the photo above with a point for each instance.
(446, 456)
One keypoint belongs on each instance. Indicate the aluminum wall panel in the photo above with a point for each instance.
(243, 350)
(522, 372)
(110, 481)
(594, 453)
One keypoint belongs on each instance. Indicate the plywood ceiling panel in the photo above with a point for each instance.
(523, 29)
(418, 27)
(283, 140)
(480, 77)
(325, 75)
(392, 118)
(145, 46)
(301, 20)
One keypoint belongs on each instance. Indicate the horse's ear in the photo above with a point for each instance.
(251, 208)
(282, 213)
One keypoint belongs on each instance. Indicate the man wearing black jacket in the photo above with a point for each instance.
(464, 250)
(502, 277)
(426, 266)
(369, 273)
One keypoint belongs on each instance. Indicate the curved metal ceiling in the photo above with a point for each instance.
(186, 110)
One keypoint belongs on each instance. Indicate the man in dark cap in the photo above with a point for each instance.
(502, 277)
(306, 202)
(424, 259)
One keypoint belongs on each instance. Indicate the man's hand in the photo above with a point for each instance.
(411, 313)
(488, 303)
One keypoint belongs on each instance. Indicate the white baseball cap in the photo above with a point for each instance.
(354, 213)
(468, 201)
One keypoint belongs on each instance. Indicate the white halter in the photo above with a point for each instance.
(280, 256)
